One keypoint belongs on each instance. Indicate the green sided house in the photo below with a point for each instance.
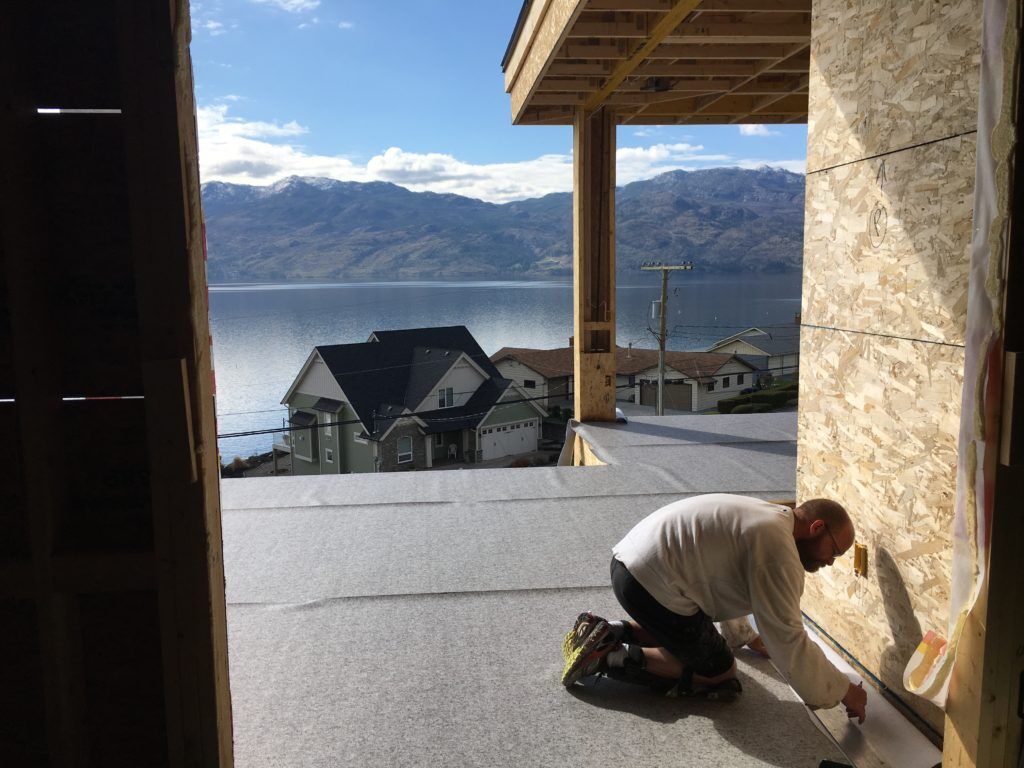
(404, 400)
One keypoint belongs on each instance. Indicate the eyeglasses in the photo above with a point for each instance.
(836, 552)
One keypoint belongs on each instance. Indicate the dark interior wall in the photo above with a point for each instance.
(111, 586)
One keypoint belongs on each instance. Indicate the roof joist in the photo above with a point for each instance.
(670, 61)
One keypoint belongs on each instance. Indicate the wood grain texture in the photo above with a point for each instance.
(888, 75)
(878, 426)
(886, 243)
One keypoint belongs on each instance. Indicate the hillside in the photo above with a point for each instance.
(723, 219)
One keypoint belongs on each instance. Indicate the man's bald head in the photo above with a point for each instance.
(823, 531)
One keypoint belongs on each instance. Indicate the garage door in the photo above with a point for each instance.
(509, 439)
(678, 395)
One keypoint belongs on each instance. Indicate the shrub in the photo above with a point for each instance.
(752, 408)
(794, 401)
(786, 386)
(769, 397)
(727, 404)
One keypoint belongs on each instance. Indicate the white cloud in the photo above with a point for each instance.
(345, 25)
(636, 163)
(796, 166)
(258, 152)
(292, 6)
(756, 129)
(214, 27)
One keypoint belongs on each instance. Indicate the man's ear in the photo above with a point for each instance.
(816, 527)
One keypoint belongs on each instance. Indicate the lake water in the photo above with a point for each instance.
(262, 334)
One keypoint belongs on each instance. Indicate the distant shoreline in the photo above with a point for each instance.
(716, 276)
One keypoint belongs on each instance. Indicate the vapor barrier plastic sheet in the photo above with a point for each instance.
(928, 672)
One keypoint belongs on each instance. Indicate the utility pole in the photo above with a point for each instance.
(665, 269)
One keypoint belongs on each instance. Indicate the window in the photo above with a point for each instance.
(445, 397)
(739, 379)
(329, 455)
(404, 449)
(529, 384)
(711, 386)
(725, 383)
(328, 429)
(439, 440)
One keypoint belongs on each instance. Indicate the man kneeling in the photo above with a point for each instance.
(717, 557)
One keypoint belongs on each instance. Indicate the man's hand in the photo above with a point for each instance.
(757, 646)
(856, 702)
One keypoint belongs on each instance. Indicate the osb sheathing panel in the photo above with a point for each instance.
(888, 74)
(886, 243)
(878, 423)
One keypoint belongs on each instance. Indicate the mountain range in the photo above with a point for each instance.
(722, 219)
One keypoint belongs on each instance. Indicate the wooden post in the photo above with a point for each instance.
(594, 264)
(162, 175)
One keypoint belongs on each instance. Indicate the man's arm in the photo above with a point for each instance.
(738, 632)
(775, 596)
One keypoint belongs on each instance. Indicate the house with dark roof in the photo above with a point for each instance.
(695, 381)
(773, 350)
(403, 400)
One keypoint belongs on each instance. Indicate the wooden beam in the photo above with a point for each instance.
(591, 69)
(727, 53)
(566, 84)
(661, 6)
(541, 50)
(593, 51)
(757, 6)
(594, 265)
(730, 6)
(718, 69)
(762, 104)
(681, 85)
(632, 27)
(784, 104)
(744, 32)
(161, 160)
(665, 25)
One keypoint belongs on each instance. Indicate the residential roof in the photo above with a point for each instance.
(468, 415)
(558, 362)
(772, 340)
(395, 371)
(302, 418)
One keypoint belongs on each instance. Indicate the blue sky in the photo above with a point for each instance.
(410, 92)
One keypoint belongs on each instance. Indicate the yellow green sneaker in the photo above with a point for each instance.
(585, 646)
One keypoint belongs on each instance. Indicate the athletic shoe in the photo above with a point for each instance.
(596, 642)
(574, 637)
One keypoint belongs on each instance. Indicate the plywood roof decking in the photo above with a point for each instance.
(661, 61)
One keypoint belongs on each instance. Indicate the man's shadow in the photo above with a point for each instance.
(758, 723)
(904, 628)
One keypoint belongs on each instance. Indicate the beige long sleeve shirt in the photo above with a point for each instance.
(731, 556)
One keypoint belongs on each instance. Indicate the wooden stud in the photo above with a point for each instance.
(162, 175)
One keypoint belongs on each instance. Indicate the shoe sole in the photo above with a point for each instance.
(580, 658)
(725, 692)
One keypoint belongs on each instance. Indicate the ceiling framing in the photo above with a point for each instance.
(684, 62)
